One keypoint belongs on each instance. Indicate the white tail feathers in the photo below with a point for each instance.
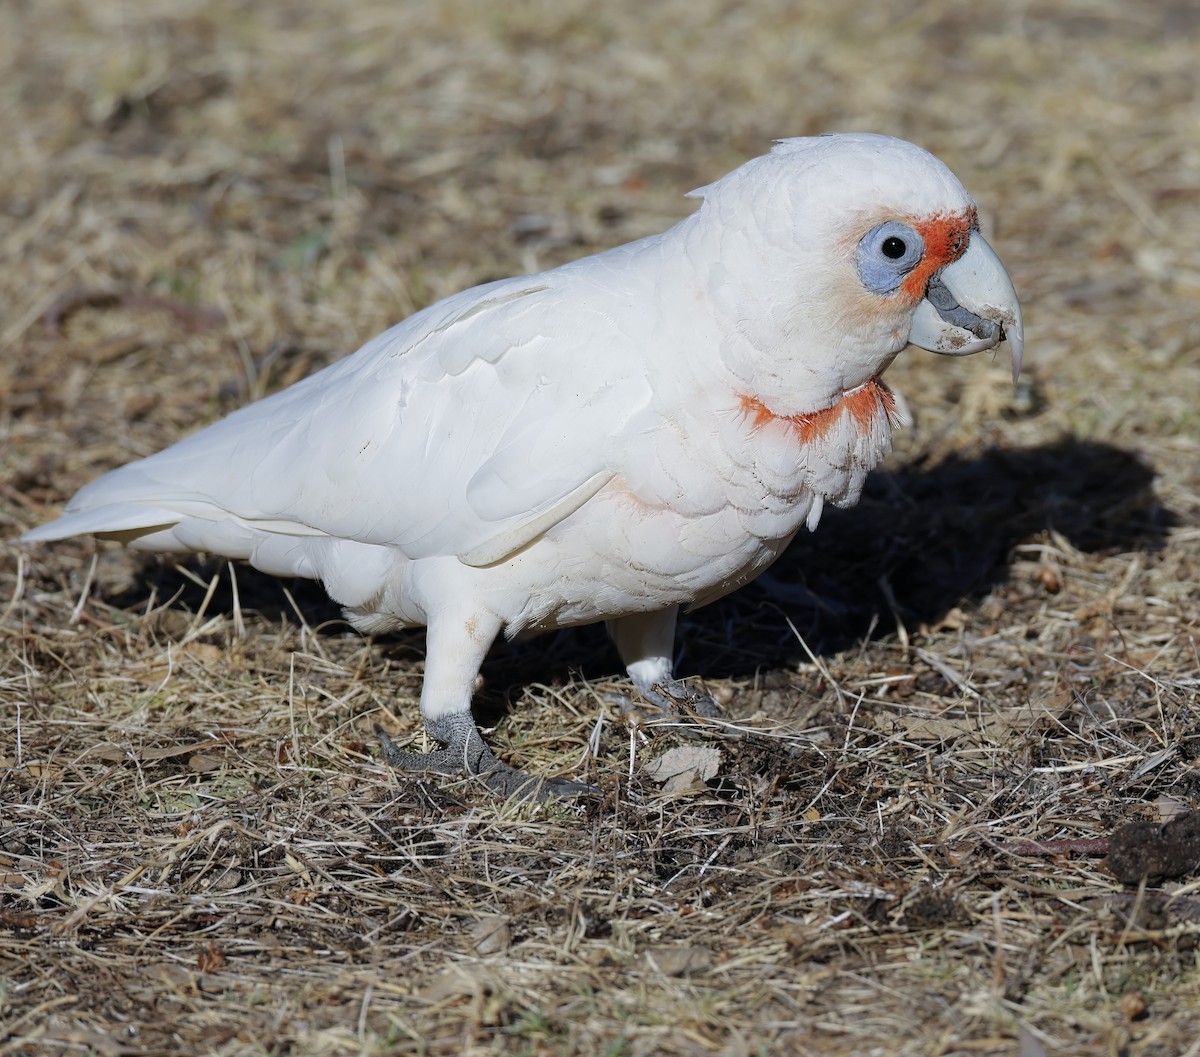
(120, 521)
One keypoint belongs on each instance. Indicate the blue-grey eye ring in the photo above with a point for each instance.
(886, 254)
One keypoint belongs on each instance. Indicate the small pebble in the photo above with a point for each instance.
(1132, 1006)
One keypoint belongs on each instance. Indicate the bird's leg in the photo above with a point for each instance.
(646, 642)
(466, 752)
(455, 647)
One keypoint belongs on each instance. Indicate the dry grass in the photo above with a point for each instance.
(199, 853)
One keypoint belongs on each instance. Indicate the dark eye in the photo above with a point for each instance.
(886, 254)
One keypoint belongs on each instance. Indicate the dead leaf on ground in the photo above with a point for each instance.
(491, 934)
(457, 982)
(682, 768)
(678, 961)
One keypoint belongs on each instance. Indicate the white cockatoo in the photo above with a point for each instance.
(609, 440)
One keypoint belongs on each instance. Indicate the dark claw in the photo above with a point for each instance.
(676, 698)
(671, 701)
(466, 752)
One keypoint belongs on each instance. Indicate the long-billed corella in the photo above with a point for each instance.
(633, 432)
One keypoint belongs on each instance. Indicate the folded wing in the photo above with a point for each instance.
(468, 430)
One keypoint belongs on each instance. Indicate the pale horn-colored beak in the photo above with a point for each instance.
(970, 306)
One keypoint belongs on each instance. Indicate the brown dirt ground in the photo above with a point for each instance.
(199, 853)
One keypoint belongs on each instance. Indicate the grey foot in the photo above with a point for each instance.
(466, 752)
(673, 700)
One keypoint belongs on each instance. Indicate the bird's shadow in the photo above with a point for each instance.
(926, 538)
(923, 539)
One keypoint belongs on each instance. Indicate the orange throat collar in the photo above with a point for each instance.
(863, 404)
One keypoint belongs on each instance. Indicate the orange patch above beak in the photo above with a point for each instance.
(946, 237)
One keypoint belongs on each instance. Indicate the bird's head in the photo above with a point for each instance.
(837, 251)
